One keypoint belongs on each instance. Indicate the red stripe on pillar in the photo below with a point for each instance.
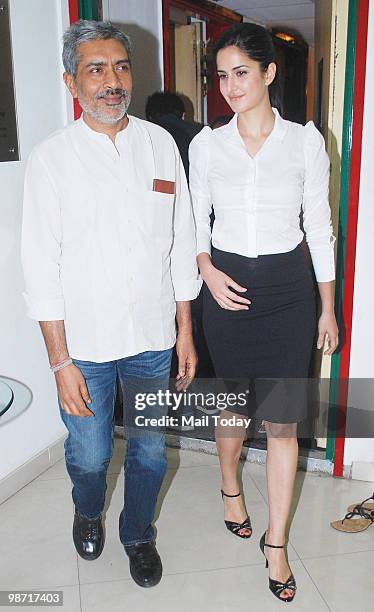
(73, 10)
(166, 42)
(74, 16)
(353, 204)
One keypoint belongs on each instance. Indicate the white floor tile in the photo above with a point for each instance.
(192, 519)
(58, 470)
(345, 581)
(240, 588)
(35, 536)
(318, 500)
(189, 521)
(179, 458)
(204, 564)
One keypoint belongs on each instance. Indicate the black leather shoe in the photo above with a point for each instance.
(145, 564)
(88, 536)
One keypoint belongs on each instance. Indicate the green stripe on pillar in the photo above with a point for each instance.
(88, 9)
(343, 217)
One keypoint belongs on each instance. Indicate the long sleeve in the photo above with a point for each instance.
(316, 208)
(41, 244)
(201, 199)
(184, 271)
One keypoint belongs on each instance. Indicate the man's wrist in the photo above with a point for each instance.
(62, 364)
(184, 331)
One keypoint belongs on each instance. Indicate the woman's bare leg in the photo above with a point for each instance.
(281, 465)
(229, 442)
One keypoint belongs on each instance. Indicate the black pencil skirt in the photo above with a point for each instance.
(269, 345)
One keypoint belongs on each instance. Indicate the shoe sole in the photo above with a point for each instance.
(352, 525)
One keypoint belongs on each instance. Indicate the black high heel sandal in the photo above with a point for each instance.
(236, 527)
(275, 586)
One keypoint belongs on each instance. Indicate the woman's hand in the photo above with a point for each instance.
(327, 325)
(220, 286)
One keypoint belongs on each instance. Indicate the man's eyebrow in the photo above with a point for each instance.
(98, 63)
(235, 68)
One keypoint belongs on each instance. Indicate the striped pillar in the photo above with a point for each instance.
(347, 234)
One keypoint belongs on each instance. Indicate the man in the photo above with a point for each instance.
(167, 109)
(108, 251)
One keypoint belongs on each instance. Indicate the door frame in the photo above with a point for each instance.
(201, 8)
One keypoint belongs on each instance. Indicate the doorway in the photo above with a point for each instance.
(313, 70)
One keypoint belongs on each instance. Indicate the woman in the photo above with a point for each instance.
(259, 173)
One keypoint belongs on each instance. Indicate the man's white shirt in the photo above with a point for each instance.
(101, 249)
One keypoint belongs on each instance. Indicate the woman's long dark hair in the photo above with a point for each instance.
(256, 42)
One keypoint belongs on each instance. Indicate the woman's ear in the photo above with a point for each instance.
(270, 73)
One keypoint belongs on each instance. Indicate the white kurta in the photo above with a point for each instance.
(100, 249)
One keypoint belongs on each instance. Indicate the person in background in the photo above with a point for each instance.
(108, 252)
(168, 110)
(219, 121)
(259, 172)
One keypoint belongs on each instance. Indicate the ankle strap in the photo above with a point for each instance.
(225, 494)
(273, 546)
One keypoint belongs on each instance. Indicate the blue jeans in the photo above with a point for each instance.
(89, 445)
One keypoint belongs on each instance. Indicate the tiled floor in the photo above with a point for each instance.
(205, 567)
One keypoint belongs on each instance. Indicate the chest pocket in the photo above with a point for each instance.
(155, 218)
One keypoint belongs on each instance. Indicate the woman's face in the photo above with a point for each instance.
(242, 82)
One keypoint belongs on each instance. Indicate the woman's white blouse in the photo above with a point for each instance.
(257, 200)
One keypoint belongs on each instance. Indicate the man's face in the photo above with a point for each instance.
(103, 82)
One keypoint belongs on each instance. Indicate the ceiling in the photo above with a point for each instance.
(292, 15)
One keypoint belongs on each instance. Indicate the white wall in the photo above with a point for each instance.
(41, 108)
(362, 361)
(142, 20)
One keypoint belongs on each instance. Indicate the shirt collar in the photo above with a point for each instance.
(100, 135)
(278, 132)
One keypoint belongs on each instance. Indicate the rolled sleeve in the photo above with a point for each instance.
(201, 199)
(316, 209)
(41, 244)
(184, 271)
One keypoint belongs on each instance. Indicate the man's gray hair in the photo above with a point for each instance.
(82, 31)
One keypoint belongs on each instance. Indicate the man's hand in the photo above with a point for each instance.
(187, 361)
(73, 392)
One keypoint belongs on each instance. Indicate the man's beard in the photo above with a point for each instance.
(100, 115)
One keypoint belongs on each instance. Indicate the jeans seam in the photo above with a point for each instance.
(137, 542)
(89, 518)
